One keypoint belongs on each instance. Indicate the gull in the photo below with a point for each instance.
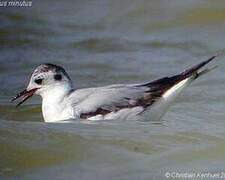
(62, 101)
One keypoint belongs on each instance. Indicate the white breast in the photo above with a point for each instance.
(54, 106)
(52, 112)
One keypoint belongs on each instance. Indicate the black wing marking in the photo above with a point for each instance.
(158, 87)
(155, 90)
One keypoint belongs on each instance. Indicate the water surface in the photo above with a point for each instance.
(105, 42)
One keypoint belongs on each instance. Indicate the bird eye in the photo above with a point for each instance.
(58, 77)
(38, 81)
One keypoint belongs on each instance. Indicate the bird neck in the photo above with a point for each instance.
(56, 93)
(53, 104)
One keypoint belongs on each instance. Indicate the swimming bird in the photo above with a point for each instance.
(62, 101)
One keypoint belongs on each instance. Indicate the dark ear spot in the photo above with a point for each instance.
(58, 77)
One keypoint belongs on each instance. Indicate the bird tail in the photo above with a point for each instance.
(197, 69)
(175, 85)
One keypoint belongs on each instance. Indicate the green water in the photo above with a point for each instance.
(105, 42)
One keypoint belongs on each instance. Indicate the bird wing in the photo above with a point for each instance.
(104, 100)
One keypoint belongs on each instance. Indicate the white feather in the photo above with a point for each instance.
(160, 107)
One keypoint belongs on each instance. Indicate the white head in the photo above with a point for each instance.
(47, 80)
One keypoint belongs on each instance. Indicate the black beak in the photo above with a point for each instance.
(25, 94)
